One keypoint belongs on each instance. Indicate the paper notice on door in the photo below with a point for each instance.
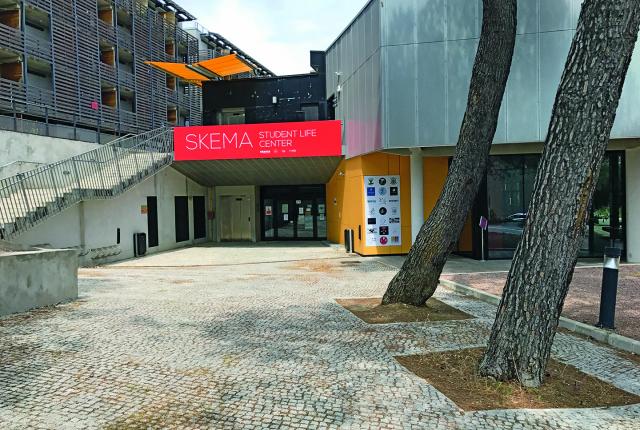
(285, 217)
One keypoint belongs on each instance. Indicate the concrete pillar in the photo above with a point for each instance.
(417, 195)
(633, 205)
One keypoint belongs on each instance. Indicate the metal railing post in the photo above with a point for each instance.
(135, 160)
(55, 187)
(115, 159)
(75, 172)
(15, 115)
(24, 193)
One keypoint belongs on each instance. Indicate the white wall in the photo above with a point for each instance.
(38, 149)
(633, 205)
(92, 225)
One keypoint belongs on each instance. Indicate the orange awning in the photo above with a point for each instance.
(225, 66)
(179, 70)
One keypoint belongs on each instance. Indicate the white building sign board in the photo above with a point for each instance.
(382, 210)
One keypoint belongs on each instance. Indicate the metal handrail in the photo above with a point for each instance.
(30, 197)
(17, 99)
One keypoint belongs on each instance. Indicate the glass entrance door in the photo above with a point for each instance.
(305, 219)
(294, 213)
(606, 222)
(285, 227)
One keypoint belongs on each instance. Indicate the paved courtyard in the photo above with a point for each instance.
(251, 337)
(583, 299)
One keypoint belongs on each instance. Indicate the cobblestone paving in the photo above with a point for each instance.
(257, 346)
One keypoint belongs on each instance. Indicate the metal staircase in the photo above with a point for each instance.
(29, 198)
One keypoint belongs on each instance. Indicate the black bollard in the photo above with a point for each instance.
(609, 288)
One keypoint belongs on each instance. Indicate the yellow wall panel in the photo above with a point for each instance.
(345, 200)
(435, 174)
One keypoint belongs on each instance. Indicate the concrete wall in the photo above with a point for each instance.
(38, 149)
(33, 279)
(16, 167)
(92, 225)
(633, 205)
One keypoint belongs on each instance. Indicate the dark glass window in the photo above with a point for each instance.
(510, 182)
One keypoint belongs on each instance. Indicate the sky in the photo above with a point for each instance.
(277, 33)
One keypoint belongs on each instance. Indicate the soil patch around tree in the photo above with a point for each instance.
(371, 311)
(455, 374)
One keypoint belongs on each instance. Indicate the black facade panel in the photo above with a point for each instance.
(280, 99)
(182, 218)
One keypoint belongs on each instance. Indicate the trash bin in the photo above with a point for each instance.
(348, 240)
(139, 244)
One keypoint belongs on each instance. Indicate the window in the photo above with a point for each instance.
(311, 112)
(232, 116)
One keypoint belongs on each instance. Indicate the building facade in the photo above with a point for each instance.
(257, 196)
(76, 69)
(73, 76)
(363, 144)
(399, 77)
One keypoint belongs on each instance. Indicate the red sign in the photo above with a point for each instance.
(274, 140)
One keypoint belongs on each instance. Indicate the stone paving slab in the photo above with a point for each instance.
(255, 346)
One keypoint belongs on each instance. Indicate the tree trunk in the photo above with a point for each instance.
(583, 114)
(418, 278)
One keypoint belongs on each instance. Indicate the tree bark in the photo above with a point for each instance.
(418, 278)
(583, 114)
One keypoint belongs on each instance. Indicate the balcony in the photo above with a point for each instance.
(38, 47)
(107, 31)
(127, 79)
(125, 40)
(11, 38)
(39, 96)
(128, 118)
(172, 96)
(108, 73)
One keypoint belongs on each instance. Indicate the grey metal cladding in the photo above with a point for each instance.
(556, 15)
(399, 22)
(354, 66)
(554, 48)
(415, 94)
(432, 94)
(463, 19)
(522, 108)
(628, 118)
(400, 95)
(431, 27)
(459, 64)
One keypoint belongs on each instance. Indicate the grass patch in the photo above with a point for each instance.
(370, 310)
(455, 374)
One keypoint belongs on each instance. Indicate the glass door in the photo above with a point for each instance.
(606, 221)
(305, 219)
(296, 212)
(285, 225)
